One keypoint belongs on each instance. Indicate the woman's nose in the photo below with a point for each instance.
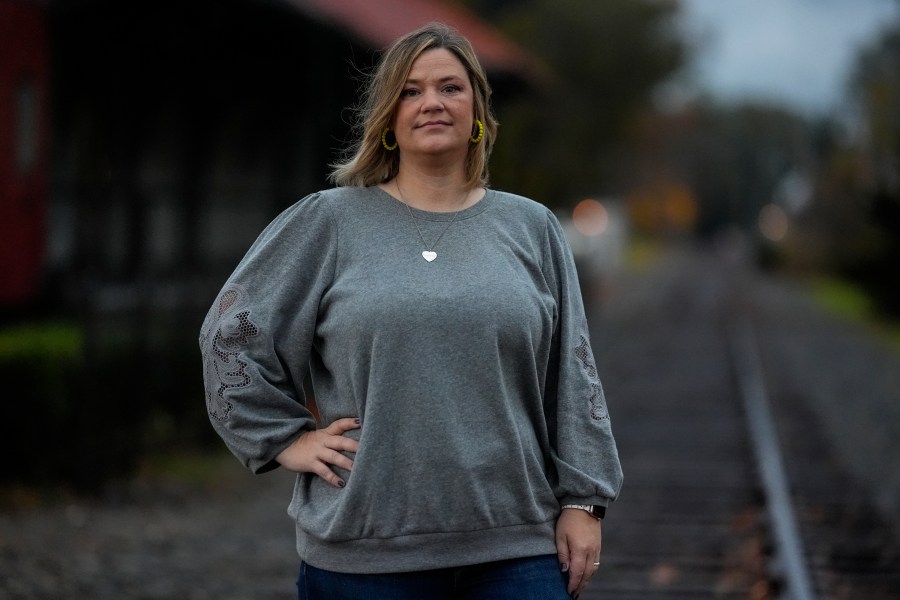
(432, 101)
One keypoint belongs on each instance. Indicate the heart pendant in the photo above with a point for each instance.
(429, 255)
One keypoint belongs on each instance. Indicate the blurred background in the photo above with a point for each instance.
(144, 145)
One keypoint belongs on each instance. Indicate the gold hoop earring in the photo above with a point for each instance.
(477, 138)
(384, 140)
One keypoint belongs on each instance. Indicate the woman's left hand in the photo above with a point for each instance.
(578, 538)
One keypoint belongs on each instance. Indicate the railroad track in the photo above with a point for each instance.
(730, 490)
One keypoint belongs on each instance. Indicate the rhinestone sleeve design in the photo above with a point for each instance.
(228, 330)
(597, 400)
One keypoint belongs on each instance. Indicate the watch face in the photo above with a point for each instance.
(598, 511)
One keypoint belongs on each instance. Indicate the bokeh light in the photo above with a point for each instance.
(773, 222)
(590, 218)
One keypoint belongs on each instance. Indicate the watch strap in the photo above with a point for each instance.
(596, 511)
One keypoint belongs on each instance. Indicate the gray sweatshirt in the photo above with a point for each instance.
(472, 375)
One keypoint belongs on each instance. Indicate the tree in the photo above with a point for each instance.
(603, 61)
(877, 94)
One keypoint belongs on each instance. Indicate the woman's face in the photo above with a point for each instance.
(435, 111)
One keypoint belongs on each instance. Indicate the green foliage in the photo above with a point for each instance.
(877, 80)
(39, 363)
(603, 60)
(85, 402)
(41, 342)
(196, 468)
(36, 361)
(853, 228)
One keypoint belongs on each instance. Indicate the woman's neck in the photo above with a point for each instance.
(432, 190)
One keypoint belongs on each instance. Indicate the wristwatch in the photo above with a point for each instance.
(596, 511)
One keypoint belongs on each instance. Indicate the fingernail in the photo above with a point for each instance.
(564, 567)
(356, 420)
(340, 483)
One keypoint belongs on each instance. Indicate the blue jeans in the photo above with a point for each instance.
(534, 578)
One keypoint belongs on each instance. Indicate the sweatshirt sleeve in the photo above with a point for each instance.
(583, 449)
(257, 338)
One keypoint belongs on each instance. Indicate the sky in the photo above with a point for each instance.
(798, 52)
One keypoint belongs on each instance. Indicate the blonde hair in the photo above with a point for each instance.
(369, 163)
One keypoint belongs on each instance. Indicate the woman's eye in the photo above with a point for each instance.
(451, 89)
(408, 93)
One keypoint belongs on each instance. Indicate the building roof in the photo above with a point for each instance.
(380, 22)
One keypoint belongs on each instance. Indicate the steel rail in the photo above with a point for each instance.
(789, 546)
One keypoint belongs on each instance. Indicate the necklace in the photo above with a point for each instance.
(428, 253)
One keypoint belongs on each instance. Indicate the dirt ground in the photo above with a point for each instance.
(230, 538)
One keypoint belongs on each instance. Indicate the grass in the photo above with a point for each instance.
(204, 468)
(851, 302)
(642, 252)
(843, 299)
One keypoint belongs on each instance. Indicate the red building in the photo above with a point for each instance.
(24, 76)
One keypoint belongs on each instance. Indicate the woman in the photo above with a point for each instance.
(465, 448)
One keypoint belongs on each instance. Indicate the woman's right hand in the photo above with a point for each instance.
(316, 451)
